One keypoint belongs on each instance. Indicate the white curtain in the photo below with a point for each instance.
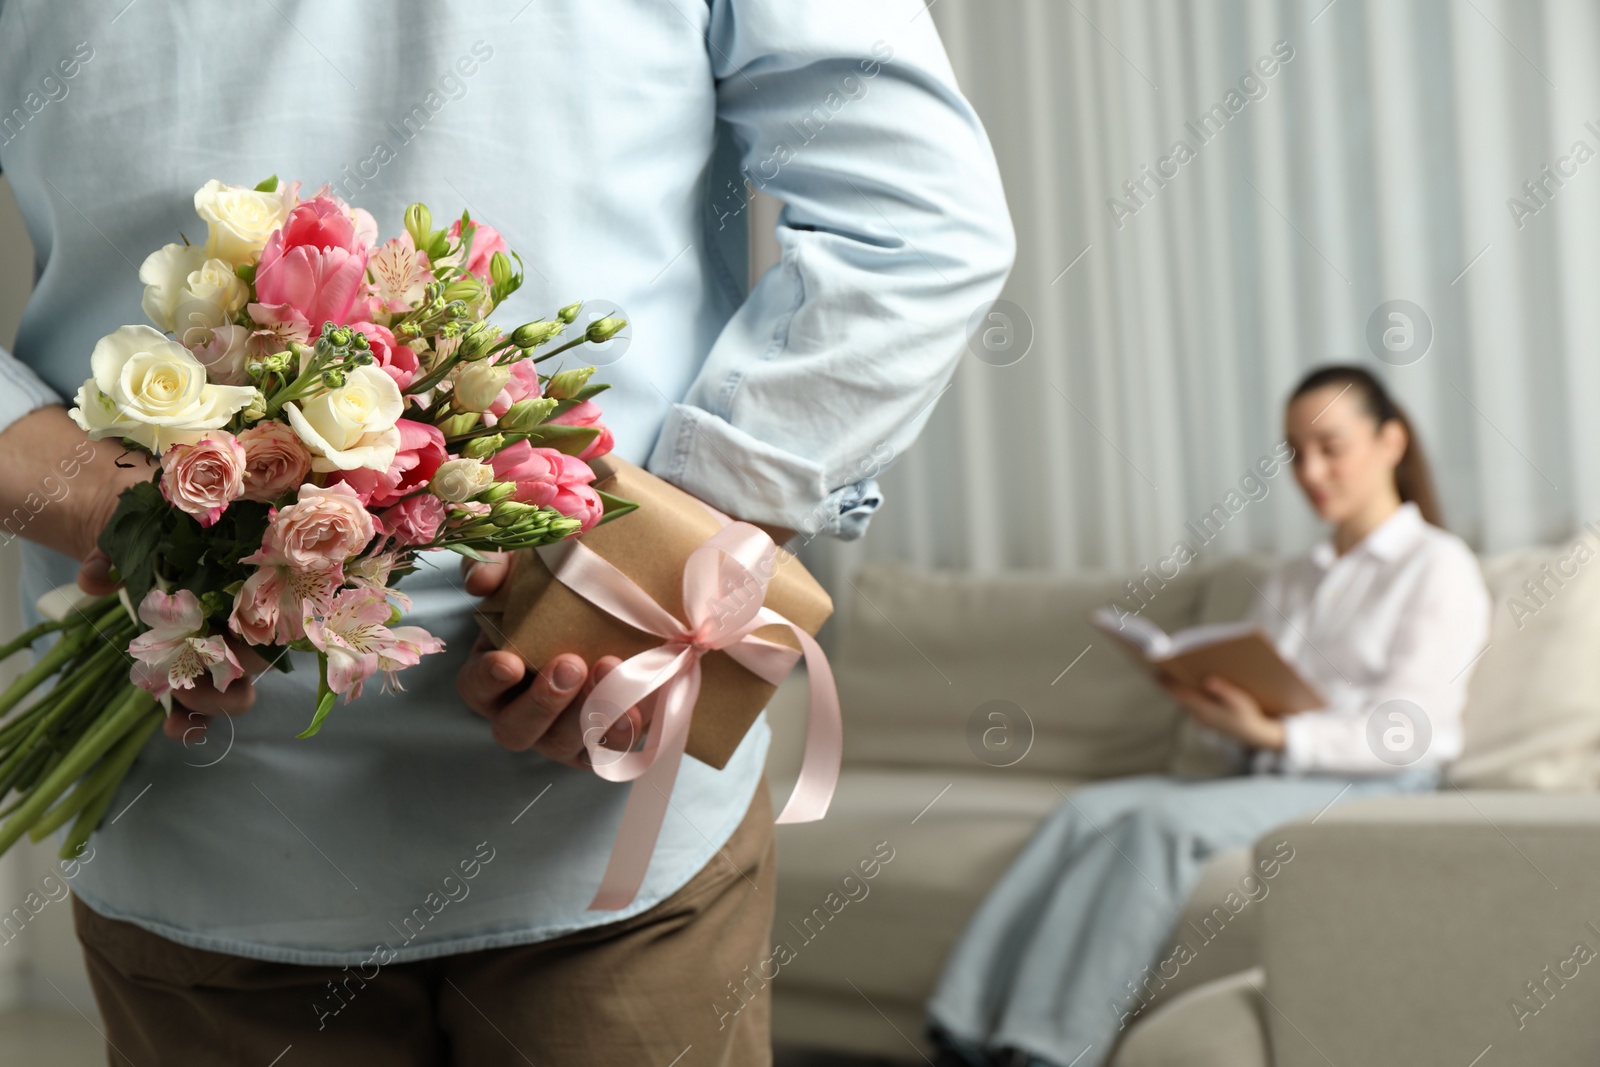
(1378, 163)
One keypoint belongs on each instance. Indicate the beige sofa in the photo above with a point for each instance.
(1403, 932)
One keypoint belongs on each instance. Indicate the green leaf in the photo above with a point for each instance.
(591, 390)
(470, 553)
(614, 506)
(269, 185)
(325, 698)
(133, 535)
(569, 439)
(323, 707)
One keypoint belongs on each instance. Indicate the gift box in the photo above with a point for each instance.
(538, 617)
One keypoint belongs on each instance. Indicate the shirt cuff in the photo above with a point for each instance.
(756, 481)
(21, 390)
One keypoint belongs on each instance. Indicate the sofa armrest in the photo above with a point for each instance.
(1426, 929)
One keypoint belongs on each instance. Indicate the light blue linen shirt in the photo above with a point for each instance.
(606, 140)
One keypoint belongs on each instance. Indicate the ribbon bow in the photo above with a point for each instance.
(724, 583)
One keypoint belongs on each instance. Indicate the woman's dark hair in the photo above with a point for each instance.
(1411, 476)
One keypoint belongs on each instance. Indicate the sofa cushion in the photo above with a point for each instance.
(951, 836)
(1220, 1024)
(1532, 719)
(1001, 674)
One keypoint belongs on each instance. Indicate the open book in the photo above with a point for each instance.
(1237, 651)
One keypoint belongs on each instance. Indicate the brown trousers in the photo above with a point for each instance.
(652, 989)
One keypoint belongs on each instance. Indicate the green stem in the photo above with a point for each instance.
(62, 701)
(71, 643)
(119, 718)
(574, 343)
(100, 783)
(23, 640)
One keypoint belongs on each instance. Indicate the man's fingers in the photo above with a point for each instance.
(94, 574)
(205, 697)
(185, 726)
(482, 683)
(534, 719)
(483, 579)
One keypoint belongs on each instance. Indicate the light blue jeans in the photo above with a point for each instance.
(1051, 961)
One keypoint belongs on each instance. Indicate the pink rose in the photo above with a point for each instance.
(419, 455)
(320, 531)
(486, 241)
(275, 461)
(416, 519)
(522, 385)
(586, 413)
(316, 263)
(397, 360)
(205, 477)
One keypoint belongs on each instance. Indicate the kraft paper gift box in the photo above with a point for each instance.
(537, 617)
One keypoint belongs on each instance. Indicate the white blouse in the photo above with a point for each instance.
(1389, 634)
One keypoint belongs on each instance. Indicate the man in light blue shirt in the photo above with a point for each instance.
(610, 142)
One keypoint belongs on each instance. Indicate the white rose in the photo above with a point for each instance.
(152, 390)
(183, 289)
(478, 384)
(212, 295)
(352, 426)
(459, 480)
(239, 220)
(165, 273)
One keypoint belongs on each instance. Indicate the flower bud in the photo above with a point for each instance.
(419, 224)
(497, 492)
(500, 269)
(478, 384)
(565, 385)
(570, 312)
(508, 513)
(256, 410)
(534, 334)
(479, 338)
(601, 330)
(526, 414)
(466, 289)
(456, 425)
(333, 378)
(483, 447)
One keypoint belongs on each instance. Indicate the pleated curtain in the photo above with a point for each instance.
(1384, 160)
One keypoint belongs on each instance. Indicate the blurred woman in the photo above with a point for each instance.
(1385, 619)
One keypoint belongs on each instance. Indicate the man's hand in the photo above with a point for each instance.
(535, 709)
(540, 709)
(1222, 706)
(60, 489)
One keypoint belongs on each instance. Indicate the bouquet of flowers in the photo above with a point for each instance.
(323, 407)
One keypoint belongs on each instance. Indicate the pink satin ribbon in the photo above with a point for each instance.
(724, 584)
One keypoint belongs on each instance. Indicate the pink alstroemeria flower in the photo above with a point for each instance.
(173, 652)
(353, 634)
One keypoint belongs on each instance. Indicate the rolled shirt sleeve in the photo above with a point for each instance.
(894, 231)
(21, 390)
